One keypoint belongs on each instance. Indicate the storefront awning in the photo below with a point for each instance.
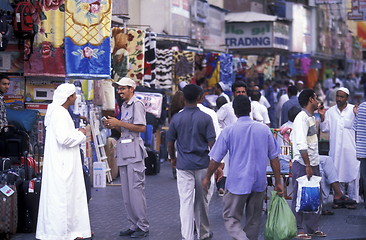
(249, 17)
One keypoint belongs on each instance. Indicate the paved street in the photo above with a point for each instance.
(107, 214)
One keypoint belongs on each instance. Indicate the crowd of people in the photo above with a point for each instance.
(236, 159)
(231, 145)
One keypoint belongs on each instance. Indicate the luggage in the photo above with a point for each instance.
(8, 208)
(29, 191)
(5, 164)
(13, 142)
(28, 196)
(152, 162)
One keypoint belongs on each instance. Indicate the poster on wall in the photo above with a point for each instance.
(14, 98)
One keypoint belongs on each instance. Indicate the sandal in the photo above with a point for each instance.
(350, 206)
(303, 236)
(344, 200)
(327, 212)
(319, 234)
(336, 206)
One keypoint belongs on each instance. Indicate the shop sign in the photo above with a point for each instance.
(249, 35)
(180, 7)
(328, 1)
(281, 33)
(199, 11)
(358, 10)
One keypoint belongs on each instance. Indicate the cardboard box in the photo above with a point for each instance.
(99, 175)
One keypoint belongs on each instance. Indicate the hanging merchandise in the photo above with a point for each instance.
(267, 67)
(135, 50)
(226, 69)
(119, 54)
(128, 54)
(212, 69)
(183, 66)
(150, 59)
(164, 66)
(199, 69)
(45, 57)
(4, 32)
(305, 65)
(104, 94)
(87, 38)
(312, 78)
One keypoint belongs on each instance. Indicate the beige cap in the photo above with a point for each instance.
(125, 81)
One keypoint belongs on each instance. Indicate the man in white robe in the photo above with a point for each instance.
(338, 121)
(63, 209)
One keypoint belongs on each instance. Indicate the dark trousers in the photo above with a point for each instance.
(306, 222)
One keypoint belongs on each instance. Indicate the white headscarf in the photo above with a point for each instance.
(60, 96)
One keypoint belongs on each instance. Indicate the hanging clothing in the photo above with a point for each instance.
(342, 147)
(164, 66)
(87, 39)
(63, 209)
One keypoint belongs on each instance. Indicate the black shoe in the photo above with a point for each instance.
(139, 234)
(128, 232)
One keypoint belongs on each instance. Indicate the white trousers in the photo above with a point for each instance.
(193, 203)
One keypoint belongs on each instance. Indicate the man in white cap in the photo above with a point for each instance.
(338, 121)
(63, 209)
(219, 90)
(130, 152)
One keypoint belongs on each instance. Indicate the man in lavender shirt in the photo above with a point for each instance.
(250, 144)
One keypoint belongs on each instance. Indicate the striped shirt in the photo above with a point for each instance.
(304, 138)
(3, 120)
(359, 126)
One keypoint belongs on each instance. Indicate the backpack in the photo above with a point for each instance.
(23, 20)
(4, 31)
(23, 23)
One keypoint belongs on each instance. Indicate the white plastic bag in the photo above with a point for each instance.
(308, 194)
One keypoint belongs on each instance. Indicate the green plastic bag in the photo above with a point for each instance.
(281, 222)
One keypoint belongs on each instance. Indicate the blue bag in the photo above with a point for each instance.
(308, 194)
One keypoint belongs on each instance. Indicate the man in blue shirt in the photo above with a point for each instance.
(293, 101)
(193, 132)
(250, 145)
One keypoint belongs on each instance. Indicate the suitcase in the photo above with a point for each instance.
(8, 210)
(29, 191)
(29, 196)
(5, 164)
(152, 162)
(13, 143)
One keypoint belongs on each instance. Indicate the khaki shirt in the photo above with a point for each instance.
(130, 147)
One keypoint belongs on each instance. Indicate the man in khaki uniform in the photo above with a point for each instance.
(130, 154)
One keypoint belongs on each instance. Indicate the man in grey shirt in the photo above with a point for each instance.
(194, 134)
(130, 152)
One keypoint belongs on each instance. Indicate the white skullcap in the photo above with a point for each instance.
(301, 82)
(125, 81)
(182, 84)
(60, 96)
(343, 89)
(222, 85)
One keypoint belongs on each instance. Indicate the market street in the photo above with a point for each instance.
(108, 218)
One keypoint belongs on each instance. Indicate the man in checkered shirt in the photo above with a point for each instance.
(4, 87)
